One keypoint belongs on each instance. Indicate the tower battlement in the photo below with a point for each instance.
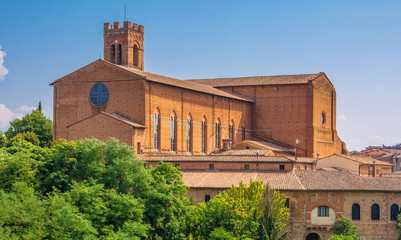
(127, 25)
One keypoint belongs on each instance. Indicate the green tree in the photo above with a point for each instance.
(34, 122)
(27, 216)
(3, 140)
(166, 203)
(344, 229)
(27, 136)
(99, 185)
(240, 213)
(21, 162)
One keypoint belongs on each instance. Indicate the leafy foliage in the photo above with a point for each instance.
(97, 185)
(34, 122)
(92, 189)
(344, 229)
(3, 140)
(241, 212)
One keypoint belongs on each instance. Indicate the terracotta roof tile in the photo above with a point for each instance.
(191, 85)
(340, 180)
(225, 179)
(265, 145)
(115, 116)
(213, 158)
(260, 152)
(363, 160)
(259, 80)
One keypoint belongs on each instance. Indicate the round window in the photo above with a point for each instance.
(322, 118)
(99, 94)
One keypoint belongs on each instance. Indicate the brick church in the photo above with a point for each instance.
(159, 114)
(277, 129)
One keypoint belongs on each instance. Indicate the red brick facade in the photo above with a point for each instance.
(279, 112)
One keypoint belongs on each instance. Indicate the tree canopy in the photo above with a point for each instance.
(244, 212)
(343, 229)
(36, 123)
(91, 189)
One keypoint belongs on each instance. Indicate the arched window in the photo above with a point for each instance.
(156, 131)
(204, 135)
(113, 53)
(394, 212)
(231, 131)
(173, 133)
(120, 52)
(189, 133)
(136, 55)
(218, 133)
(375, 212)
(356, 211)
(323, 118)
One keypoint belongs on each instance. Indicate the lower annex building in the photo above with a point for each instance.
(209, 127)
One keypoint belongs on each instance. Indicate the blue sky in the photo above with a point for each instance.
(356, 43)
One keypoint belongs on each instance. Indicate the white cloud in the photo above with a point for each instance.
(26, 109)
(3, 70)
(341, 117)
(6, 115)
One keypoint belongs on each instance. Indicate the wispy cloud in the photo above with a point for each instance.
(341, 117)
(26, 109)
(3, 70)
(7, 115)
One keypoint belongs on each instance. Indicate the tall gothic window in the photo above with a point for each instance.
(394, 212)
(204, 136)
(136, 55)
(218, 134)
(243, 131)
(189, 135)
(231, 132)
(120, 52)
(375, 212)
(113, 53)
(356, 211)
(156, 131)
(173, 135)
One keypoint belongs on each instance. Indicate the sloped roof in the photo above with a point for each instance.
(340, 180)
(114, 116)
(258, 80)
(260, 152)
(136, 74)
(280, 180)
(213, 158)
(362, 160)
(184, 84)
(264, 145)
(346, 181)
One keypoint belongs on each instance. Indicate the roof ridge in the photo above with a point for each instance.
(299, 180)
(278, 75)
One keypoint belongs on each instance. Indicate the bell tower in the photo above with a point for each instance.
(124, 45)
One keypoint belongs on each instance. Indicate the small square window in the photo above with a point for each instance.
(246, 167)
(211, 166)
(207, 198)
(323, 211)
(282, 167)
(176, 165)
